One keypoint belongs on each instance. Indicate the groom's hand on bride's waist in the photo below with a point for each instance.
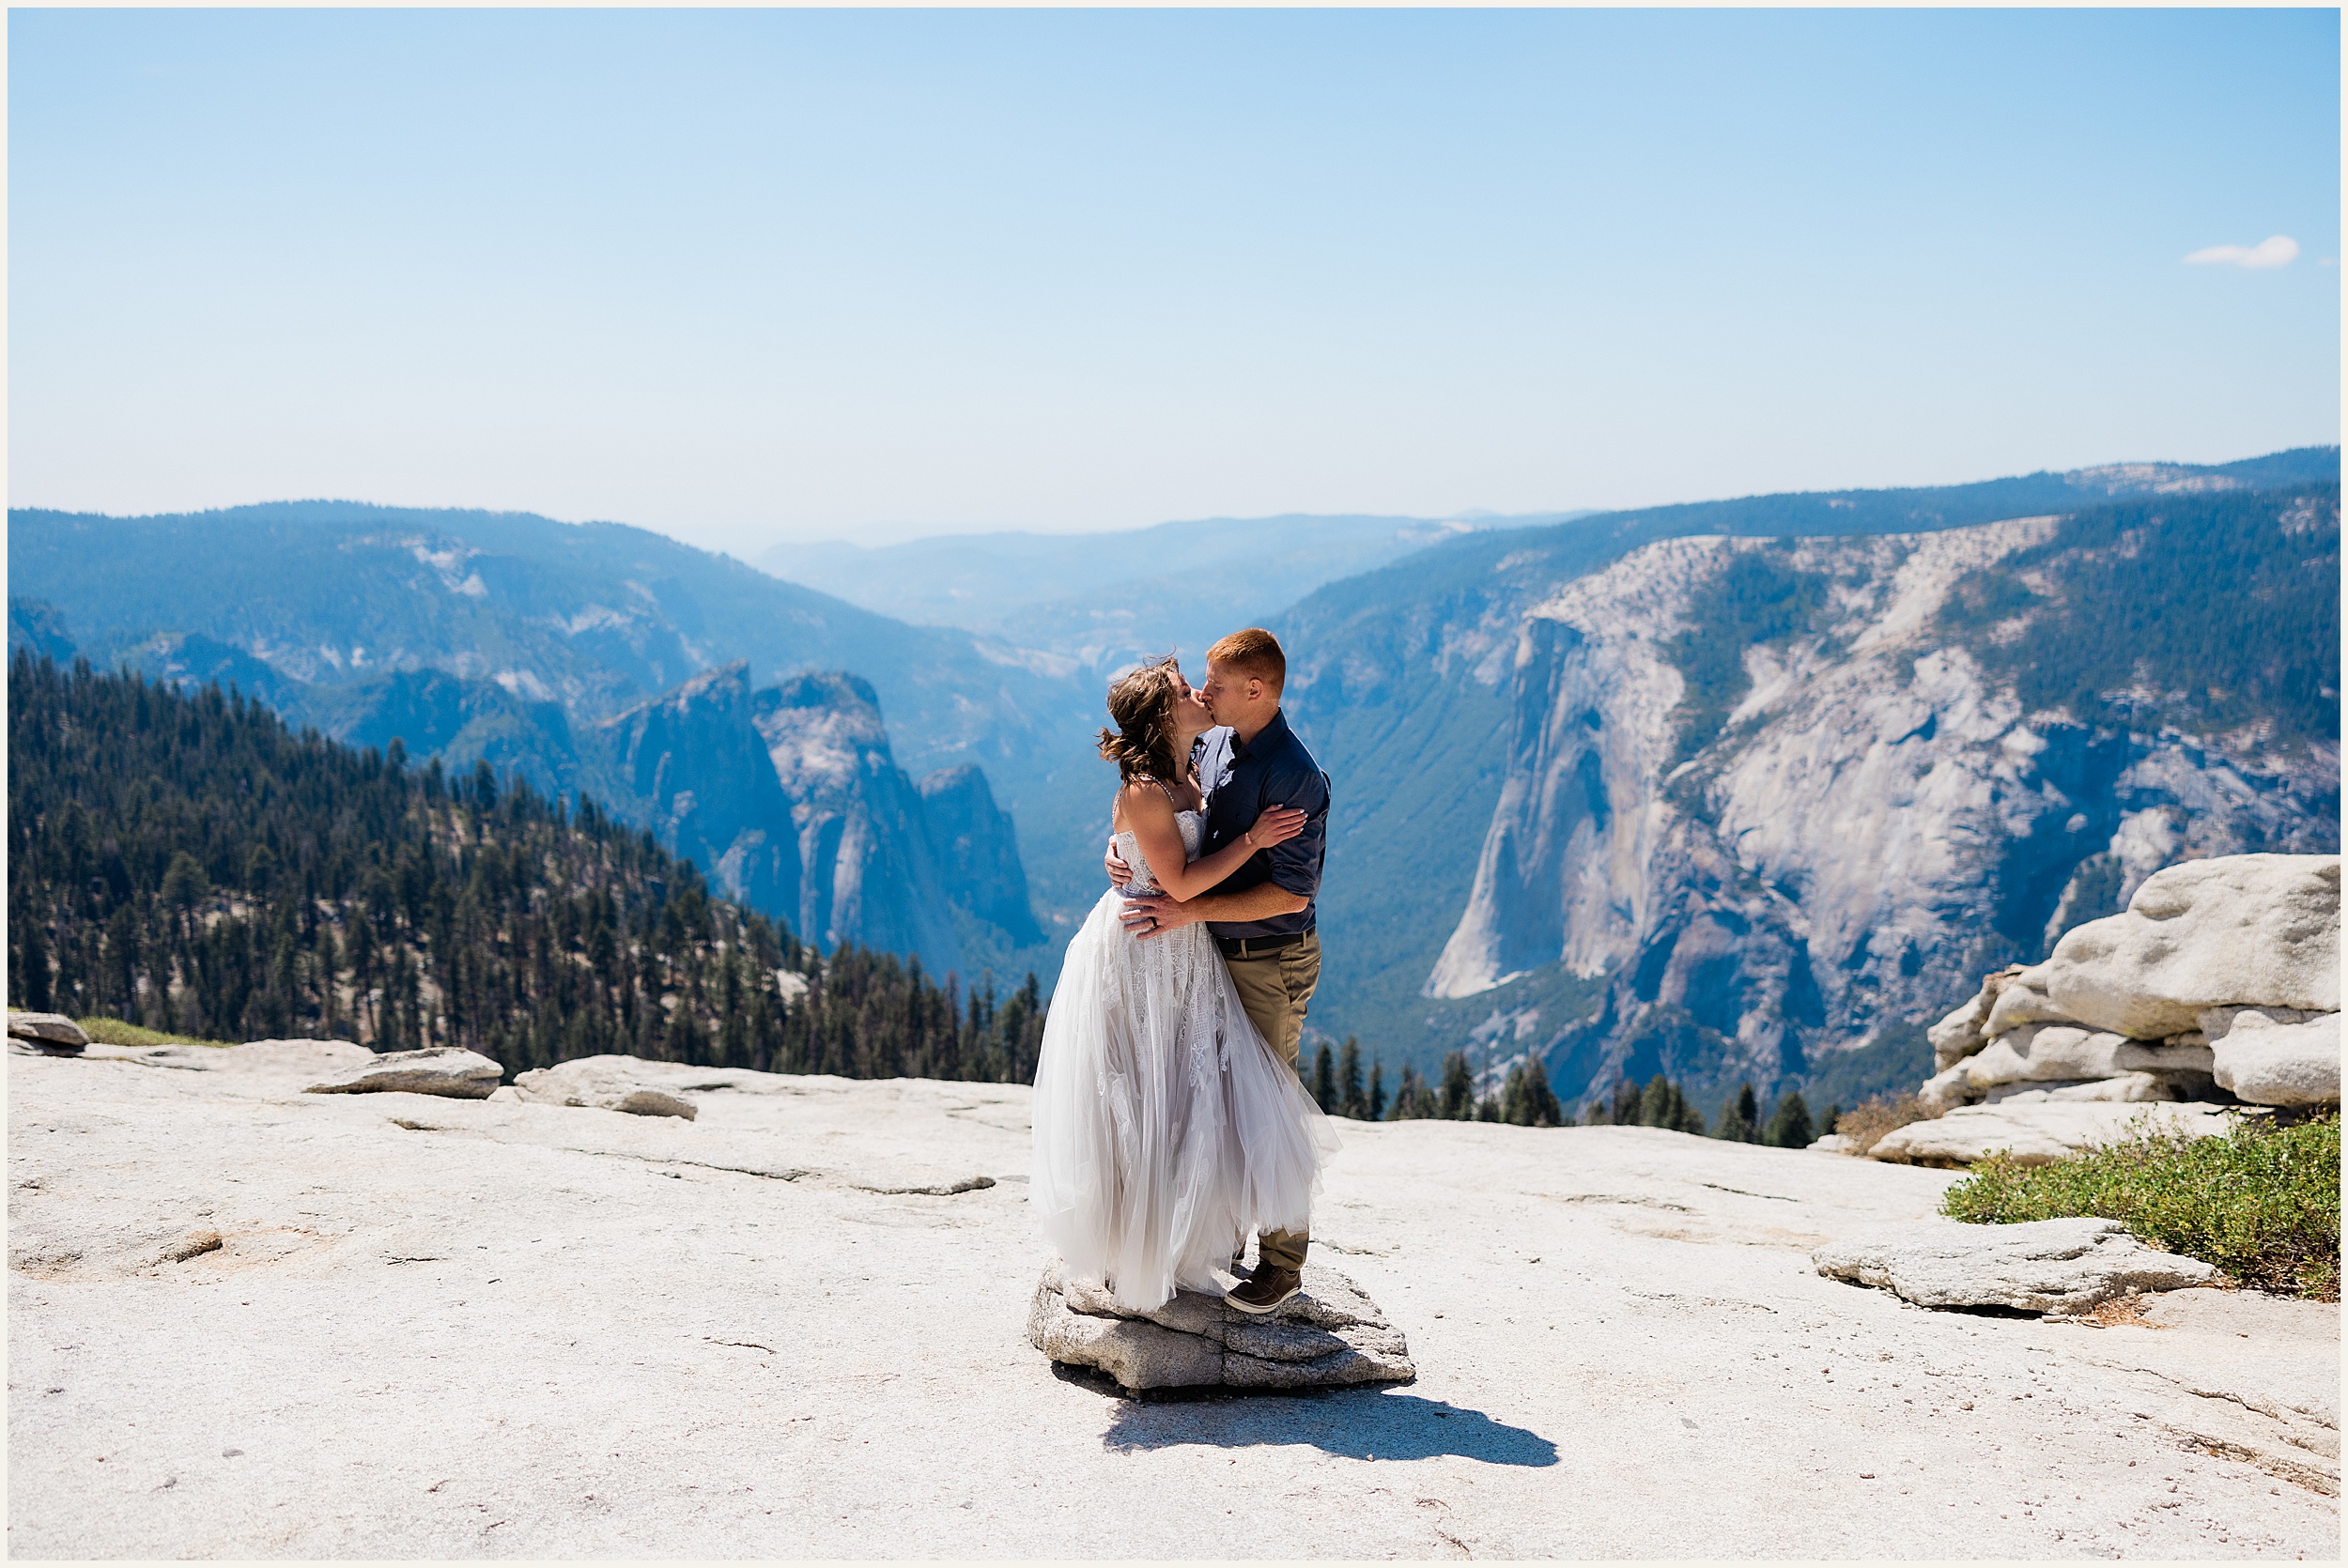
(1151, 915)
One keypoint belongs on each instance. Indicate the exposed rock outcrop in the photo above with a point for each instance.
(602, 1083)
(51, 1032)
(2048, 1266)
(2220, 981)
(2261, 929)
(1329, 1335)
(458, 1074)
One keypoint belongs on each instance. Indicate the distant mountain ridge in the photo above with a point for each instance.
(1103, 600)
(526, 641)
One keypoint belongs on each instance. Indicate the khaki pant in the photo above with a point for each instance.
(1273, 989)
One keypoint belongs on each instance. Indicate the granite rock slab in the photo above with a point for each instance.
(2047, 1265)
(1329, 1335)
(602, 1083)
(457, 1074)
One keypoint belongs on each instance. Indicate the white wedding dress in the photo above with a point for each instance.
(1166, 1129)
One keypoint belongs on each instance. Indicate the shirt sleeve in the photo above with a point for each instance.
(1296, 864)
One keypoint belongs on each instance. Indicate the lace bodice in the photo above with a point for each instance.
(1192, 824)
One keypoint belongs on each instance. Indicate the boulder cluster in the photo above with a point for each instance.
(597, 1083)
(2218, 986)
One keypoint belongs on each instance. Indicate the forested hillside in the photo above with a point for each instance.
(187, 862)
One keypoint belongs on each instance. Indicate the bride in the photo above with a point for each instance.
(1166, 1129)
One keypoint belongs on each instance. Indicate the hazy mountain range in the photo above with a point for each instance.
(1589, 771)
(1103, 600)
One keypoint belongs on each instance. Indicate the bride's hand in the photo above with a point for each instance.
(1276, 826)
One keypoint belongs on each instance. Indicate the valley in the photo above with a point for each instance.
(1736, 788)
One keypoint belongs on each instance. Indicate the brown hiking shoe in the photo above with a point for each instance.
(1265, 1289)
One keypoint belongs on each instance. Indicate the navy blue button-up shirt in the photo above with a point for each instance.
(1241, 783)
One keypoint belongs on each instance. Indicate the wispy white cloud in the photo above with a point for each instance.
(2278, 250)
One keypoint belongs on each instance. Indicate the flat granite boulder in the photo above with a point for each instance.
(458, 1074)
(602, 1083)
(53, 1033)
(2047, 1265)
(2041, 1132)
(1328, 1335)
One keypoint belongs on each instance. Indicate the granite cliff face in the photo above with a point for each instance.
(793, 800)
(1405, 683)
(1781, 799)
(699, 774)
(977, 849)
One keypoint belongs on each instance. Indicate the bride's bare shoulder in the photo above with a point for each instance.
(1143, 800)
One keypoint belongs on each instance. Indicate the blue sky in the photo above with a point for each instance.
(751, 276)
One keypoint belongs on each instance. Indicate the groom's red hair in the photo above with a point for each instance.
(1254, 652)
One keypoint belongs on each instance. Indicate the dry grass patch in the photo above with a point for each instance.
(1869, 1122)
(113, 1031)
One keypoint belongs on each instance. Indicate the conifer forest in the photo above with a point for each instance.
(186, 862)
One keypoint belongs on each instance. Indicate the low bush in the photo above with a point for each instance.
(113, 1031)
(2261, 1202)
(1866, 1123)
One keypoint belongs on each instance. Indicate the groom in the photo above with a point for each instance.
(1261, 916)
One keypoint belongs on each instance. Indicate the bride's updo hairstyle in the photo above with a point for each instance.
(1142, 702)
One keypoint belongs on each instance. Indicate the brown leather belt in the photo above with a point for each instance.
(1256, 946)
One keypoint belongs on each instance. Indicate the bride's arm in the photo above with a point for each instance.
(1151, 817)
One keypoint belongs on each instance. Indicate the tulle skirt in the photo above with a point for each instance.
(1166, 1129)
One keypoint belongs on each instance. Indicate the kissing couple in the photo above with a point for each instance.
(1170, 1119)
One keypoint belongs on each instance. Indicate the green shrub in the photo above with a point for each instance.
(2261, 1202)
(113, 1031)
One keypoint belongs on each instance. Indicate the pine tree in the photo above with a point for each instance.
(1377, 1106)
(1512, 1104)
(1526, 1098)
(1740, 1116)
(1629, 1103)
(1401, 1109)
(1660, 1105)
(1691, 1120)
(1789, 1129)
(1458, 1088)
(1351, 1101)
(1326, 1080)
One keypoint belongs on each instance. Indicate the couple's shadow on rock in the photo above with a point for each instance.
(1351, 1423)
